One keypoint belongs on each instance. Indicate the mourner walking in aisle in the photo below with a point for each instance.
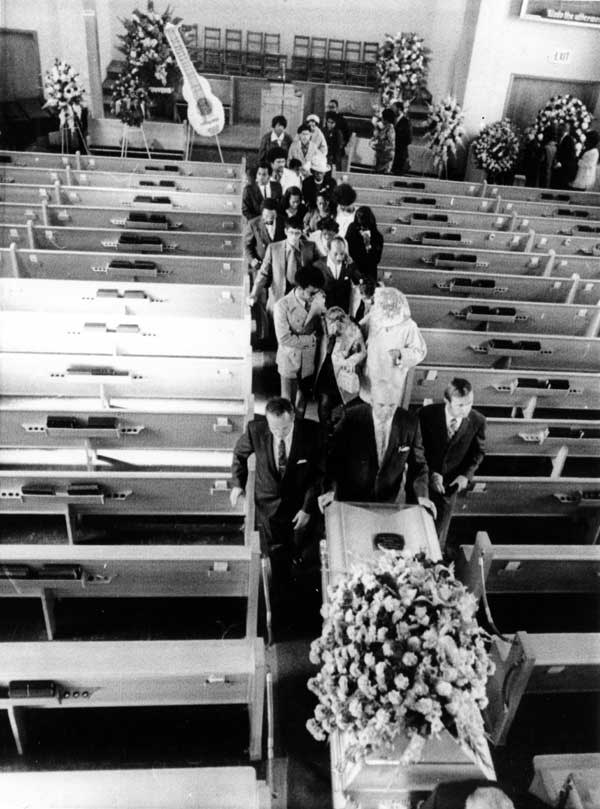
(339, 275)
(276, 137)
(327, 229)
(263, 187)
(365, 242)
(565, 161)
(324, 206)
(454, 440)
(370, 450)
(303, 148)
(383, 142)
(587, 167)
(316, 133)
(297, 318)
(318, 181)
(345, 197)
(403, 131)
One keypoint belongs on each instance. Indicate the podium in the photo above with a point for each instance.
(281, 98)
(350, 529)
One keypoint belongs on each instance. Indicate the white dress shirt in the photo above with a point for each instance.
(265, 190)
(334, 268)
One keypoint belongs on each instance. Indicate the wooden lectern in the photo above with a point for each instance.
(281, 98)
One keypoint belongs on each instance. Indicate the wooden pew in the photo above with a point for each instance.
(106, 379)
(34, 421)
(471, 237)
(434, 185)
(125, 335)
(148, 182)
(43, 213)
(122, 241)
(519, 391)
(130, 165)
(156, 788)
(538, 664)
(507, 317)
(465, 349)
(398, 199)
(488, 261)
(528, 568)
(49, 572)
(542, 437)
(103, 674)
(108, 267)
(552, 772)
(498, 287)
(154, 199)
(119, 298)
(76, 492)
(486, 219)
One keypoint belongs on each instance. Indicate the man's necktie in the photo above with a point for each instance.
(281, 458)
(452, 428)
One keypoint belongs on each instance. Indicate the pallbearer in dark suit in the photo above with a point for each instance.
(371, 448)
(289, 474)
(454, 441)
(262, 188)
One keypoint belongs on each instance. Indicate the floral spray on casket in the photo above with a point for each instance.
(400, 652)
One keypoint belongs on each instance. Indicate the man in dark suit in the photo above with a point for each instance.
(260, 232)
(471, 794)
(289, 474)
(454, 441)
(281, 261)
(261, 189)
(370, 449)
(403, 129)
(565, 161)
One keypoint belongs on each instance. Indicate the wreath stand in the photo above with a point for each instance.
(190, 136)
(125, 140)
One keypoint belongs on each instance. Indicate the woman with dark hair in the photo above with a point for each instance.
(588, 164)
(365, 242)
(345, 197)
(292, 205)
(324, 207)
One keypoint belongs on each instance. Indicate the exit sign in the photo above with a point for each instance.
(560, 57)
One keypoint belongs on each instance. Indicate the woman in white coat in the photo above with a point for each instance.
(394, 342)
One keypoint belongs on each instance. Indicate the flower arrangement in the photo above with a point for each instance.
(400, 650)
(445, 130)
(145, 47)
(564, 109)
(129, 100)
(64, 94)
(402, 65)
(496, 147)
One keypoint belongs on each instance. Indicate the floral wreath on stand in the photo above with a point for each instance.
(496, 148)
(564, 109)
(400, 651)
(129, 100)
(445, 131)
(64, 95)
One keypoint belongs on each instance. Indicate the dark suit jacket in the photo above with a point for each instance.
(366, 261)
(403, 130)
(338, 291)
(273, 272)
(460, 456)
(565, 155)
(454, 794)
(310, 189)
(252, 198)
(257, 239)
(266, 144)
(352, 464)
(303, 478)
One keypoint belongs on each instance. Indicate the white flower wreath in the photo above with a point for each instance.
(496, 147)
(445, 130)
(400, 650)
(564, 109)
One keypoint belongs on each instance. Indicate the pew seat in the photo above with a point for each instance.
(552, 771)
(45, 214)
(49, 572)
(542, 437)
(152, 199)
(142, 424)
(156, 788)
(122, 241)
(538, 664)
(106, 267)
(128, 165)
(108, 674)
(528, 568)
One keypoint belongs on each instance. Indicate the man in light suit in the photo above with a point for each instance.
(261, 189)
(281, 262)
(289, 473)
(454, 441)
(371, 447)
(260, 232)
